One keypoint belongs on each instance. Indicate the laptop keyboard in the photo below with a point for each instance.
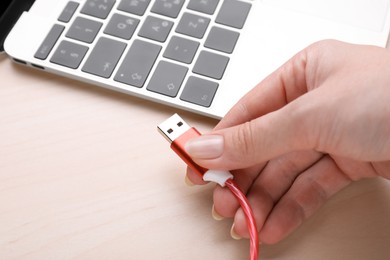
(175, 48)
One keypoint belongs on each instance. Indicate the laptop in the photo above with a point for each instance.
(197, 55)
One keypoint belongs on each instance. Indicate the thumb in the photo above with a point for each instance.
(253, 142)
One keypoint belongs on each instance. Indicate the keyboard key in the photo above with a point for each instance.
(121, 26)
(68, 12)
(137, 7)
(84, 30)
(181, 49)
(170, 8)
(193, 25)
(137, 64)
(203, 6)
(104, 57)
(49, 42)
(98, 8)
(210, 65)
(167, 79)
(69, 54)
(221, 39)
(155, 29)
(233, 13)
(199, 91)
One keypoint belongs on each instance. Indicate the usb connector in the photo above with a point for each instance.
(178, 133)
(173, 127)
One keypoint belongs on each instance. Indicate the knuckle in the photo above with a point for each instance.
(245, 142)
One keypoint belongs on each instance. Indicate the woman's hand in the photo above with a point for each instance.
(316, 124)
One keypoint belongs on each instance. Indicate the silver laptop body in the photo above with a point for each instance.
(197, 55)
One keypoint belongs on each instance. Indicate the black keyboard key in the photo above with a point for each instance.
(155, 29)
(203, 6)
(137, 64)
(193, 25)
(211, 65)
(121, 26)
(84, 30)
(170, 8)
(181, 49)
(167, 79)
(104, 57)
(221, 39)
(137, 7)
(68, 12)
(98, 8)
(69, 54)
(199, 91)
(49, 42)
(233, 13)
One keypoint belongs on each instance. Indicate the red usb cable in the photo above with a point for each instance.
(250, 219)
(178, 132)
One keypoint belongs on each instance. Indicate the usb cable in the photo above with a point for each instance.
(178, 132)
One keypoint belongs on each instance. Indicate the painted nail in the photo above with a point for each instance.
(215, 214)
(205, 147)
(233, 234)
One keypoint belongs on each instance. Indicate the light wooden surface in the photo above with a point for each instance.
(85, 175)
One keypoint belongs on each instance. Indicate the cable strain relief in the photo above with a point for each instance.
(217, 176)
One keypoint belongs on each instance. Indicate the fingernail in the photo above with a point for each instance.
(205, 147)
(215, 214)
(233, 234)
(188, 182)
